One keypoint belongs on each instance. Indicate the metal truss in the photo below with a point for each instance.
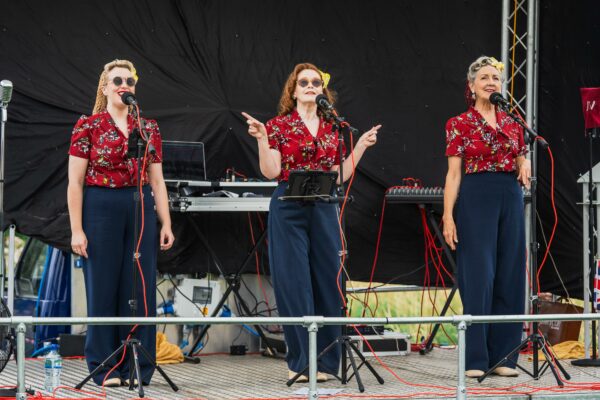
(520, 55)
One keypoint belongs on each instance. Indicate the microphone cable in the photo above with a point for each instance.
(552, 202)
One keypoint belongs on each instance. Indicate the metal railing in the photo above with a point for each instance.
(311, 323)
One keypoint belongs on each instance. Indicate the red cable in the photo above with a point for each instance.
(554, 212)
(141, 202)
(342, 209)
(376, 256)
(547, 252)
(431, 250)
(139, 242)
(450, 390)
(236, 173)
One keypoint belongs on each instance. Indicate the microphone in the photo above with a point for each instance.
(497, 100)
(128, 98)
(324, 104)
(6, 91)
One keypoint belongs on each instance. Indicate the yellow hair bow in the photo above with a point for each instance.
(497, 64)
(325, 77)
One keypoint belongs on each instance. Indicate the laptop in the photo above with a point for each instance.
(183, 161)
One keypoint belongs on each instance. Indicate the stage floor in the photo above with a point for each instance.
(257, 377)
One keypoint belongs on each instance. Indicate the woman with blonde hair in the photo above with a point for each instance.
(100, 195)
(304, 240)
(489, 234)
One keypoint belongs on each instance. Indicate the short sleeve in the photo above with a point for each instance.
(522, 150)
(81, 139)
(274, 134)
(155, 139)
(454, 140)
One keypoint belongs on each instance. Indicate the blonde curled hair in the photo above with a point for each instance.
(287, 103)
(101, 101)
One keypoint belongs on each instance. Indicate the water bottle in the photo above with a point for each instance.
(52, 368)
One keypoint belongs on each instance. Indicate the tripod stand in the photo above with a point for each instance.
(536, 339)
(131, 344)
(233, 286)
(349, 349)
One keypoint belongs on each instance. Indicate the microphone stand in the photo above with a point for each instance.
(593, 361)
(349, 348)
(536, 338)
(131, 344)
(11, 333)
(3, 120)
(532, 137)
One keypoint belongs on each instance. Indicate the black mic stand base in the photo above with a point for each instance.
(586, 362)
(538, 343)
(350, 350)
(134, 346)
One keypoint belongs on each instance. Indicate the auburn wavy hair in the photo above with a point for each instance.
(101, 101)
(287, 104)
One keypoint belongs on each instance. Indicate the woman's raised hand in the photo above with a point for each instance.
(369, 138)
(255, 127)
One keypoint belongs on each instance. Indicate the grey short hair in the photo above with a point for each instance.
(480, 63)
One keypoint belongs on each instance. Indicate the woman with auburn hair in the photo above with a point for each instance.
(489, 234)
(100, 195)
(304, 239)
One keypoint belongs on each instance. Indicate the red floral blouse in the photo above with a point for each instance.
(483, 148)
(299, 149)
(98, 139)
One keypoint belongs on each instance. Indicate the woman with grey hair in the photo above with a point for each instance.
(489, 234)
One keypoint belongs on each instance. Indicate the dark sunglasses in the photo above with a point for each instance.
(305, 82)
(118, 81)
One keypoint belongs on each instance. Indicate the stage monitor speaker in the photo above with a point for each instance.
(387, 344)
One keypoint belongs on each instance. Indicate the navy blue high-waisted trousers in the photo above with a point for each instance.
(304, 245)
(108, 222)
(491, 263)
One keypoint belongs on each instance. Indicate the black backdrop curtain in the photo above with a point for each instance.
(569, 59)
(201, 63)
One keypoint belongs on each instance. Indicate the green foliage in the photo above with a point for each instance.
(409, 304)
